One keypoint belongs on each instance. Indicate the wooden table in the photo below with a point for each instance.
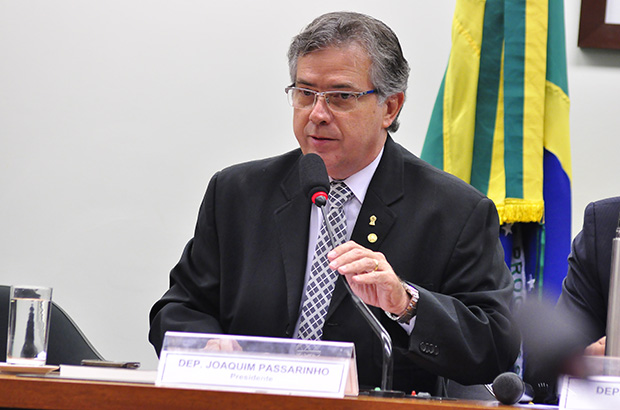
(27, 392)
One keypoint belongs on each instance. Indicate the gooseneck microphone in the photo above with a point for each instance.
(315, 183)
(509, 389)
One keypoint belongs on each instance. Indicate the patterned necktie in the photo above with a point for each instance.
(322, 279)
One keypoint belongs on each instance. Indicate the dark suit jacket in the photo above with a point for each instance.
(585, 291)
(580, 316)
(243, 272)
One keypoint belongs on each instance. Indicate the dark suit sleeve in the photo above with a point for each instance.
(192, 302)
(463, 330)
(586, 286)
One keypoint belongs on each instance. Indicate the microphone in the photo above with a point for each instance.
(509, 389)
(313, 178)
(315, 183)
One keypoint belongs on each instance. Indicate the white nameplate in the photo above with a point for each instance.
(593, 393)
(259, 365)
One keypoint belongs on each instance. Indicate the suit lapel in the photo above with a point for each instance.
(292, 219)
(376, 219)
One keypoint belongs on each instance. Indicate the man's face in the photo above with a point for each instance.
(347, 142)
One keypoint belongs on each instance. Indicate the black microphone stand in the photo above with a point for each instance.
(377, 327)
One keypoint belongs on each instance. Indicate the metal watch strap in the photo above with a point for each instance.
(410, 311)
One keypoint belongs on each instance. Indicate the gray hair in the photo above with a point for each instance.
(389, 71)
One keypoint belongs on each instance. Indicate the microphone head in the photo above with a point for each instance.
(313, 178)
(508, 388)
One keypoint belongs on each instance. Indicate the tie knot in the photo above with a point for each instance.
(339, 193)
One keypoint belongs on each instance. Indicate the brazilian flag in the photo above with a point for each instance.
(501, 123)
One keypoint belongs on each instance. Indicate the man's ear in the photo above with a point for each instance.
(393, 105)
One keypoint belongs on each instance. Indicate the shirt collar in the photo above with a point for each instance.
(359, 182)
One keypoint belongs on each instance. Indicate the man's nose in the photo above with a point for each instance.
(320, 112)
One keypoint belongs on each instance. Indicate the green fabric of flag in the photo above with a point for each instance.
(501, 118)
(502, 102)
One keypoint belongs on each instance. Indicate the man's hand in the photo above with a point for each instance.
(370, 276)
(597, 348)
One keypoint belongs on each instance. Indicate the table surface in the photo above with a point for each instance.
(32, 392)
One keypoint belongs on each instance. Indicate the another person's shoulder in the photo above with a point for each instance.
(612, 202)
(603, 208)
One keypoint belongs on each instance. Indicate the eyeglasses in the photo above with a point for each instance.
(340, 101)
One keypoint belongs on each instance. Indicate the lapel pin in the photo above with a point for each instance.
(373, 219)
(372, 237)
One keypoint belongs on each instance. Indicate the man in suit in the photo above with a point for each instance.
(585, 290)
(421, 245)
(555, 340)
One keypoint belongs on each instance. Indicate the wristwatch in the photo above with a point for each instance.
(410, 311)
